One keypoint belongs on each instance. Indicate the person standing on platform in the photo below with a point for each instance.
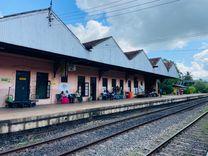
(161, 92)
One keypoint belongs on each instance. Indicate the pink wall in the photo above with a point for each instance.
(9, 64)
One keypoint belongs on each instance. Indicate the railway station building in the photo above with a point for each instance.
(40, 57)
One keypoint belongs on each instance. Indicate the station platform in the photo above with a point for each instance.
(19, 119)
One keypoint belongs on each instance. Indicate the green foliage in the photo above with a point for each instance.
(201, 86)
(167, 85)
(193, 86)
(188, 77)
(190, 90)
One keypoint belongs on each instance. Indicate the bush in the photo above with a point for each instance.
(192, 89)
(167, 86)
(201, 86)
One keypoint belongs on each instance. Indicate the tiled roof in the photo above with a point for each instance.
(132, 54)
(154, 61)
(89, 45)
(168, 64)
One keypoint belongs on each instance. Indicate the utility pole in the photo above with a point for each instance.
(50, 18)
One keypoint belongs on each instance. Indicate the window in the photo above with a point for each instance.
(42, 86)
(105, 84)
(113, 83)
(136, 86)
(64, 72)
(122, 84)
(64, 79)
(81, 85)
(129, 85)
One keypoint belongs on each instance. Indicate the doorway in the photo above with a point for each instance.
(122, 85)
(93, 86)
(42, 86)
(22, 87)
(81, 85)
(129, 85)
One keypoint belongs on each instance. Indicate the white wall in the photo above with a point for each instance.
(173, 72)
(108, 52)
(141, 62)
(161, 69)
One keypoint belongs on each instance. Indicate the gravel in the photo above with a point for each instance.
(13, 140)
(122, 145)
(70, 143)
(140, 141)
(192, 141)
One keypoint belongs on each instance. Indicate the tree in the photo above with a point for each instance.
(190, 90)
(201, 86)
(167, 85)
(188, 77)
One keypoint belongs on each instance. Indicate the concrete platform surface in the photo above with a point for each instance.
(18, 119)
(16, 113)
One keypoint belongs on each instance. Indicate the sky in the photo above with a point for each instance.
(172, 29)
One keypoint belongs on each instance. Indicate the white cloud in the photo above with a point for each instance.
(160, 27)
(198, 67)
(197, 70)
(204, 45)
(93, 30)
(202, 56)
(178, 44)
(126, 46)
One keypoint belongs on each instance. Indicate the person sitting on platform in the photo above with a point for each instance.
(64, 98)
(78, 96)
(105, 95)
(62, 94)
(70, 96)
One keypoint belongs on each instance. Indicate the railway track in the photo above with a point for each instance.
(190, 140)
(80, 140)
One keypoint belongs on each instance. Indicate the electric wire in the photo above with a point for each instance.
(99, 6)
(111, 7)
(96, 16)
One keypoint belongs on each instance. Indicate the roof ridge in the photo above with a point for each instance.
(23, 13)
(90, 44)
(155, 58)
(97, 39)
(138, 50)
(132, 54)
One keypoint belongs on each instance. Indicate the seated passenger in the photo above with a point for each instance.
(78, 96)
(62, 94)
(64, 98)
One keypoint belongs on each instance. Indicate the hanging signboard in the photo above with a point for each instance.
(86, 88)
(5, 80)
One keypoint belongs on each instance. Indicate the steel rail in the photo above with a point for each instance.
(163, 144)
(119, 133)
(101, 126)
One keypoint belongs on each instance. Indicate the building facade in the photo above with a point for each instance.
(40, 58)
